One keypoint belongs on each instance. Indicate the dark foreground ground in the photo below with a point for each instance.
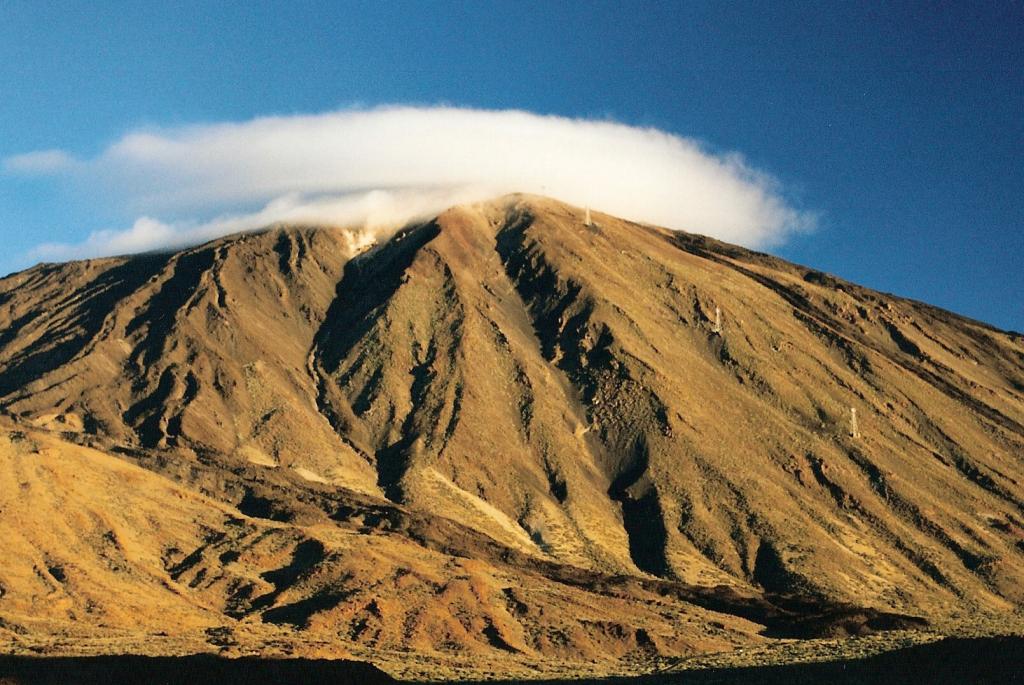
(949, 661)
(198, 669)
(953, 660)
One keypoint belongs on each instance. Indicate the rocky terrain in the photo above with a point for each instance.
(504, 442)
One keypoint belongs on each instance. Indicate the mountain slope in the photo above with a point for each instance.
(613, 398)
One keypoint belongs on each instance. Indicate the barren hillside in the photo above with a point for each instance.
(502, 439)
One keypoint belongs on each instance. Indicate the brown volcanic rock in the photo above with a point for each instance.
(501, 433)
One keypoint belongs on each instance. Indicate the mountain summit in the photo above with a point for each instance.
(509, 432)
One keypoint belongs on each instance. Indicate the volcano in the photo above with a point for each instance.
(517, 438)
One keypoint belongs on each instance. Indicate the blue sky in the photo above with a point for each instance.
(900, 127)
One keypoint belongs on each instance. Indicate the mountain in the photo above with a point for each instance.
(505, 438)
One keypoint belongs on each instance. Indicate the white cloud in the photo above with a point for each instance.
(41, 162)
(321, 169)
(145, 234)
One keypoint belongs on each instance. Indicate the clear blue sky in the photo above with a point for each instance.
(901, 124)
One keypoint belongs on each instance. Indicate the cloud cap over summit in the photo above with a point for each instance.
(239, 172)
